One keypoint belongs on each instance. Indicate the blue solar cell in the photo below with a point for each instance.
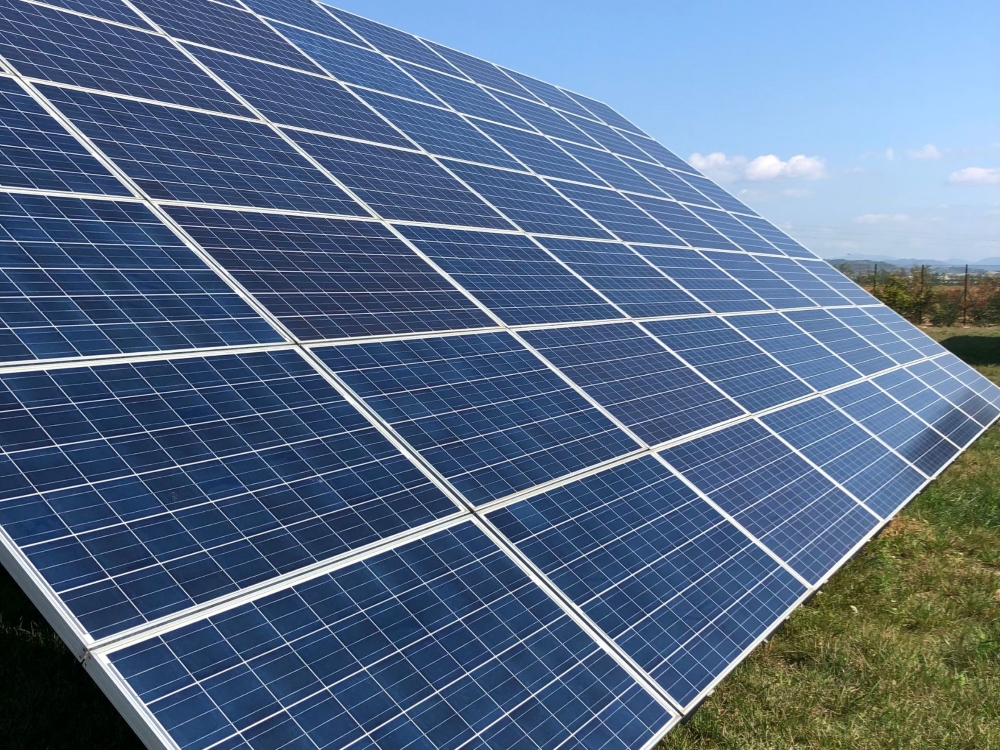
(841, 340)
(727, 358)
(638, 381)
(481, 71)
(392, 41)
(146, 488)
(300, 100)
(838, 281)
(538, 153)
(969, 377)
(616, 214)
(610, 138)
(683, 223)
(603, 112)
(225, 27)
(529, 202)
(756, 277)
(402, 185)
(672, 185)
(906, 331)
(930, 406)
(48, 44)
(612, 170)
(658, 153)
(444, 642)
(463, 96)
(798, 351)
(956, 391)
(511, 276)
(306, 14)
(546, 120)
(439, 131)
(777, 238)
(485, 412)
(804, 281)
(356, 65)
(728, 225)
(177, 154)
(678, 588)
(703, 279)
(85, 278)
(37, 152)
(792, 508)
(328, 279)
(717, 194)
(848, 453)
(874, 332)
(551, 95)
(113, 10)
(625, 278)
(911, 437)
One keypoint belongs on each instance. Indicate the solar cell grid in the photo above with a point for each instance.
(403, 185)
(356, 65)
(727, 358)
(929, 405)
(847, 452)
(112, 10)
(439, 131)
(658, 153)
(463, 96)
(798, 351)
(538, 153)
(288, 97)
(638, 381)
(683, 223)
(143, 489)
(703, 279)
(307, 14)
(776, 496)
(181, 155)
(616, 214)
(392, 41)
(443, 642)
(483, 410)
(86, 278)
(734, 230)
(624, 278)
(604, 113)
(779, 239)
(841, 340)
(224, 27)
(530, 203)
(511, 276)
(756, 277)
(551, 95)
(37, 152)
(481, 71)
(329, 279)
(679, 589)
(613, 170)
(804, 281)
(54, 46)
(871, 330)
(546, 120)
(716, 194)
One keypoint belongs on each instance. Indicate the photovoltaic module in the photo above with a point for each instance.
(356, 392)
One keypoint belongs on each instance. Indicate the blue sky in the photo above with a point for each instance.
(893, 108)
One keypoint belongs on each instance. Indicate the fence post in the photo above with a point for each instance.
(875, 282)
(920, 309)
(965, 298)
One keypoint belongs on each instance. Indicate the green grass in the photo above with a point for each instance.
(901, 649)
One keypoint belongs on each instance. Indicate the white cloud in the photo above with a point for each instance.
(975, 176)
(882, 219)
(890, 154)
(762, 169)
(928, 152)
(796, 192)
(770, 167)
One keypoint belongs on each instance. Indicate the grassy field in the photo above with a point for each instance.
(901, 649)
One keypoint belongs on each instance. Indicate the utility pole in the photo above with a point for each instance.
(920, 312)
(965, 298)
(875, 282)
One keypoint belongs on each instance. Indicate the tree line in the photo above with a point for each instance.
(923, 295)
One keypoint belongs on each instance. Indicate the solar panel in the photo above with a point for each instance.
(356, 391)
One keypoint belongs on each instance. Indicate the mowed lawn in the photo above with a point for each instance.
(901, 649)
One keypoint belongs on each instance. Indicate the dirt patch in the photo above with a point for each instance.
(903, 525)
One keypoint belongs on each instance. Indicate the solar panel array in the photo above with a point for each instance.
(357, 392)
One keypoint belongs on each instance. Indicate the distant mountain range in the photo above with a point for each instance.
(952, 265)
